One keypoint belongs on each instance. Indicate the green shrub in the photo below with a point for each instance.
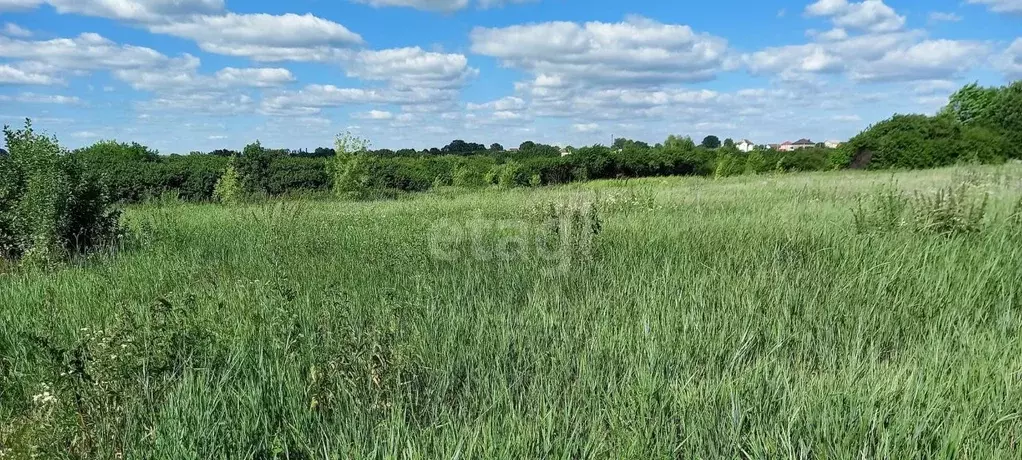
(1004, 116)
(950, 211)
(52, 206)
(228, 188)
(755, 163)
(133, 173)
(350, 166)
(727, 165)
(290, 173)
(253, 168)
(465, 176)
(881, 212)
(947, 212)
(508, 174)
(352, 176)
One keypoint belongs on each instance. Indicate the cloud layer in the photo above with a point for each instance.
(845, 64)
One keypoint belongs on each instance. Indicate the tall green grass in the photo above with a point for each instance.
(738, 318)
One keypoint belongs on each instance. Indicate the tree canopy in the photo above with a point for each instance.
(711, 142)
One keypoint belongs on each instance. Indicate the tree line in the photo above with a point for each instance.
(133, 172)
(979, 124)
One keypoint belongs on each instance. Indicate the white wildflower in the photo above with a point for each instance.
(44, 398)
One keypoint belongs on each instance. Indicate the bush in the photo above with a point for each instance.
(950, 211)
(507, 176)
(882, 212)
(1004, 117)
(228, 188)
(911, 141)
(290, 173)
(350, 166)
(947, 212)
(133, 173)
(52, 206)
(755, 163)
(253, 167)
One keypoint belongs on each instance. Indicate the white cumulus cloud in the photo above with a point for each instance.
(18, 5)
(264, 37)
(1000, 6)
(412, 67)
(12, 75)
(1010, 61)
(14, 30)
(440, 5)
(638, 50)
(137, 10)
(868, 15)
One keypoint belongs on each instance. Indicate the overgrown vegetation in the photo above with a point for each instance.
(743, 317)
(50, 207)
(949, 211)
(228, 189)
(979, 125)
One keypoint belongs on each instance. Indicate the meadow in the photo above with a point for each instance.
(843, 314)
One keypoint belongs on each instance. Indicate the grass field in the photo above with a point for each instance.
(663, 318)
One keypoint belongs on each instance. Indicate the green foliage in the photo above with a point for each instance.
(228, 189)
(350, 166)
(711, 142)
(253, 168)
(507, 174)
(1005, 117)
(271, 332)
(971, 104)
(289, 174)
(948, 211)
(755, 162)
(353, 177)
(51, 207)
(979, 125)
(471, 173)
(126, 170)
(881, 212)
(133, 173)
(460, 147)
(127, 367)
(912, 141)
(348, 144)
(674, 142)
(727, 165)
(573, 228)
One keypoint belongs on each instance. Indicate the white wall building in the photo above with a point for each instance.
(745, 146)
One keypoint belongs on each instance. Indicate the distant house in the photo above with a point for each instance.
(786, 146)
(565, 151)
(774, 146)
(745, 146)
(513, 150)
(832, 144)
(802, 144)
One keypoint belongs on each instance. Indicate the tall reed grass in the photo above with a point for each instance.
(733, 318)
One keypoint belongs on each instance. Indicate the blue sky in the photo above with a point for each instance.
(183, 75)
